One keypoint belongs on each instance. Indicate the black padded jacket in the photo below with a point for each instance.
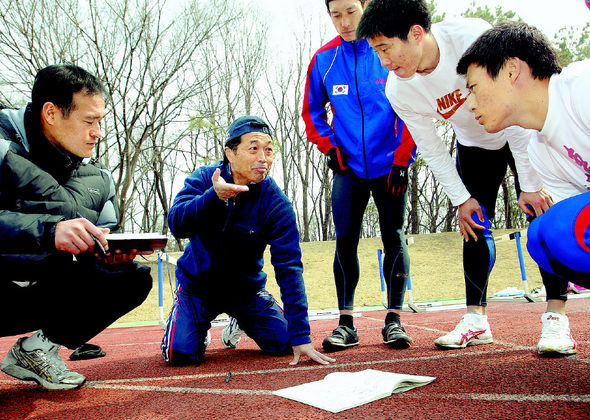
(39, 187)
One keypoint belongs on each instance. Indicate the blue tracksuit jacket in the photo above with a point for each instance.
(227, 242)
(349, 76)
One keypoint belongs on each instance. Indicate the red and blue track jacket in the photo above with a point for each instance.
(349, 76)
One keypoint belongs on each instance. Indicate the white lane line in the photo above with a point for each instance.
(178, 389)
(504, 397)
(12, 382)
(442, 356)
(584, 398)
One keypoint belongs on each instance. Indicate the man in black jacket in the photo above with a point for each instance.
(55, 202)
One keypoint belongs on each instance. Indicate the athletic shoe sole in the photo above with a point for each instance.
(398, 343)
(549, 352)
(331, 347)
(26, 375)
(229, 345)
(462, 346)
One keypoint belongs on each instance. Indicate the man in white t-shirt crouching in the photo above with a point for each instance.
(515, 79)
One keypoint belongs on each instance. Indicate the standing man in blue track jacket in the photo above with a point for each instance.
(369, 149)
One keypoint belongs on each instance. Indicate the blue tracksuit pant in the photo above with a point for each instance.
(258, 315)
(559, 240)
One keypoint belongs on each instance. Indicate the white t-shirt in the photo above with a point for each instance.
(442, 95)
(561, 152)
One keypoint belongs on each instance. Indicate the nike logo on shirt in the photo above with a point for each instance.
(450, 103)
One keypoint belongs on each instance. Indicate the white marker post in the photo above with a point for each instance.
(516, 236)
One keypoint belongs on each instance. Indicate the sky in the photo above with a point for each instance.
(549, 16)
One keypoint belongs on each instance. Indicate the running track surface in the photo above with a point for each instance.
(504, 380)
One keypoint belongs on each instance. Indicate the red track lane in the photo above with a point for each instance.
(504, 380)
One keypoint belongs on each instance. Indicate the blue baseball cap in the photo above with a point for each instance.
(246, 124)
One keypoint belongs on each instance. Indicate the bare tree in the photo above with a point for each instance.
(304, 175)
(234, 65)
(434, 211)
(413, 206)
(26, 28)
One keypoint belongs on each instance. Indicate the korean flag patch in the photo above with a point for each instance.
(339, 90)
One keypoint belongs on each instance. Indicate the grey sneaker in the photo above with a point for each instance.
(395, 336)
(46, 368)
(342, 338)
(231, 334)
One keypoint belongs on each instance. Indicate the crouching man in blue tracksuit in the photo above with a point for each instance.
(230, 211)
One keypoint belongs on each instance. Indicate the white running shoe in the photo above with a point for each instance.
(556, 338)
(473, 330)
(207, 339)
(231, 334)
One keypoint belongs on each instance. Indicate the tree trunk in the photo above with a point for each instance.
(507, 209)
(414, 216)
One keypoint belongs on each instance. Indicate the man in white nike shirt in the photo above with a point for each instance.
(422, 86)
(515, 79)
